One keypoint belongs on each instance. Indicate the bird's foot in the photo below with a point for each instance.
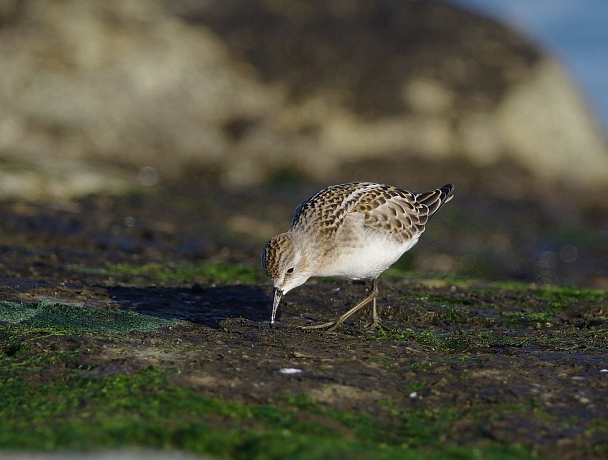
(331, 326)
(375, 324)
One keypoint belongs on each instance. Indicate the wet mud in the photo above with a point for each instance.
(514, 365)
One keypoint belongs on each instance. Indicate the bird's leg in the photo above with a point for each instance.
(375, 317)
(333, 325)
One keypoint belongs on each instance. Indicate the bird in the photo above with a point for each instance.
(355, 231)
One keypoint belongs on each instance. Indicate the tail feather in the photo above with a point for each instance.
(435, 199)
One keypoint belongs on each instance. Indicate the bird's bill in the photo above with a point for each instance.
(278, 295)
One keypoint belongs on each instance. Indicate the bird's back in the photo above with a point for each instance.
(385, 209)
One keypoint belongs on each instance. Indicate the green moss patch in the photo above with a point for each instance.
(69, 318)
(80, 412)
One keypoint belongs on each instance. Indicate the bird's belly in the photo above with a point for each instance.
(365, 261)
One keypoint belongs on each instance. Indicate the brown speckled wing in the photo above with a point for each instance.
(399, 213)
(325, 211)
(384, 209)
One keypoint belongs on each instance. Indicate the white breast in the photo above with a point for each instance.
(365, 262)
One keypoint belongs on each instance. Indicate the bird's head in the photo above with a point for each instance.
(286, 264)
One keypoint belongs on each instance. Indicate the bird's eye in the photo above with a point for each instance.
(289, 270)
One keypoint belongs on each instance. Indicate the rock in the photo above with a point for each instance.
(237, 93)
(546, 125)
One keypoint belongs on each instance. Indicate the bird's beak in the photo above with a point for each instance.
(278, 295)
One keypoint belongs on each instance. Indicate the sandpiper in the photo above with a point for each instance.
(354, 231)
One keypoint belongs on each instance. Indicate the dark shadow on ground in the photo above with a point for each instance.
(200, 305)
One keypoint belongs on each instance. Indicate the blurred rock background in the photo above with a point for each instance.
(261, 98)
